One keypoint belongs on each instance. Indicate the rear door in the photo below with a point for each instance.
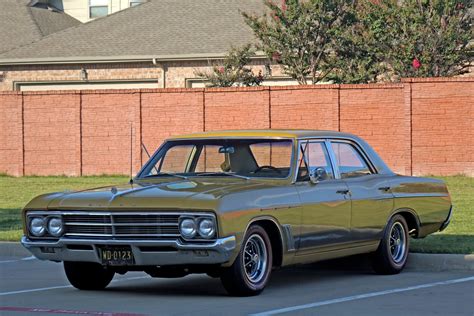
(325, 206)
(370, 192)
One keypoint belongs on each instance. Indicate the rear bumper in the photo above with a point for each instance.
(447, 221)
(146, 252)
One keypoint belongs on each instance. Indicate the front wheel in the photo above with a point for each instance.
(251, 269)
(392, 253)
(88, 275)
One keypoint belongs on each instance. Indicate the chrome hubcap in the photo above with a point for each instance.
(397, 242)
(255, 258)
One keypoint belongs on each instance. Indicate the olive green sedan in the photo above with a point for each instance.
(235, 205)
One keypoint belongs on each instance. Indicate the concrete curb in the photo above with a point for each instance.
(439, 262)
(416, 261)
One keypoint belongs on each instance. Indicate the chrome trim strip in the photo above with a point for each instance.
(104, 213)
(119, 224)
(121, 235)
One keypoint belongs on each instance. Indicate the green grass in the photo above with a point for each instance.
(16, 192)
(458, 237)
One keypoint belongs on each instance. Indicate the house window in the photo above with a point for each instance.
(136, 2)
(98, 8)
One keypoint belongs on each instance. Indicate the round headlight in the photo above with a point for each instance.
(187, 227)
(37, 226)
(55, 226)
(206, 228)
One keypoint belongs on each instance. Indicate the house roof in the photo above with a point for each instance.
(21, 24)
(162, 29)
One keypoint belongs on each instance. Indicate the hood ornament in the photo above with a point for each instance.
(113, 190)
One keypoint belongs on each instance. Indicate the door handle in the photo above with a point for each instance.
(343, 191)
(384, 189)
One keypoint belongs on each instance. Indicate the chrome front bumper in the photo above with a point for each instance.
(146, 252)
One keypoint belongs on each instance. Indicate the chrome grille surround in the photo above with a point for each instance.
(121, 225)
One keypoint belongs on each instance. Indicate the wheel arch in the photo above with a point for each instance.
(411, 218)
(273, 228)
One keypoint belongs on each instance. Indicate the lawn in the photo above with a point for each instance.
(16, 192)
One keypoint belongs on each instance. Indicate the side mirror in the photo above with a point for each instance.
(317, 174)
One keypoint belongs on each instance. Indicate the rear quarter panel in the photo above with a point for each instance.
(428, 198)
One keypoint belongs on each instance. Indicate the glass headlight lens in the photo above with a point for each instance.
(207, 228)
(188, 228)
(55, 226)
(37, 226)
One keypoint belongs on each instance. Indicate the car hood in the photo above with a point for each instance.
(175, 194)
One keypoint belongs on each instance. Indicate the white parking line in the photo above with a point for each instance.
(18, 260)
(361, 296)
(63, 286)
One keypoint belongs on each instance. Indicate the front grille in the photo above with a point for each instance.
(122, 225)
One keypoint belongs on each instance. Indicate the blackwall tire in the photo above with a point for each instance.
(251, 270)
(392, 253)
(88, 275)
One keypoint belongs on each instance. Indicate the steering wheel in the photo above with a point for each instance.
(267, 167)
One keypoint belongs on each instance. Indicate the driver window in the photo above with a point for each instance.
(314, 155)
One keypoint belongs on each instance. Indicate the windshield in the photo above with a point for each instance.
(243, 158)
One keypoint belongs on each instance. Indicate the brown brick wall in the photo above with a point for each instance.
(11, 134)
(168, 113)
(418, 126)
(236, 109)
(376, 113)
(52, 134)
(443, 127)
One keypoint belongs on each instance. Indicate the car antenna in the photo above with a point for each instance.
(131, 154)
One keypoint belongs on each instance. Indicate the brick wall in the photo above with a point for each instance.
(420, 126)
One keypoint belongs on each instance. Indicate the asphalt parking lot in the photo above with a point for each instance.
(344, 287)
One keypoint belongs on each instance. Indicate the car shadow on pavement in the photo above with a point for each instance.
(281, 279)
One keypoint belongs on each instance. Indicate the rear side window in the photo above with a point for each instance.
(350, 162)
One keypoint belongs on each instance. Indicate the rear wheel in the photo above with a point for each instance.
(392, 253)
(88, 275)
(251, 269)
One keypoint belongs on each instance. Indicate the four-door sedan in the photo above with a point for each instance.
(234, 205)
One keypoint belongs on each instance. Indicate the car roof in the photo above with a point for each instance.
(267, 133)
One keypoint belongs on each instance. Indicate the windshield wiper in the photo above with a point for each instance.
(166, 174)
(222, 173)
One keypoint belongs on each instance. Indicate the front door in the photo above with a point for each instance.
(325, 206)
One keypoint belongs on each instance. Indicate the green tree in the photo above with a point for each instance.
(419, 38)
(233, 71)
(313, 40)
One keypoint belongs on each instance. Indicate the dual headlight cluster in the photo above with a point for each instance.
(46, 225)
(197, 227)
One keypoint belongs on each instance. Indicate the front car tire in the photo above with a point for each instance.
(250, 272)
(88, 275)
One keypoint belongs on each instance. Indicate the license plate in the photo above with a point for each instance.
(116, 256)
